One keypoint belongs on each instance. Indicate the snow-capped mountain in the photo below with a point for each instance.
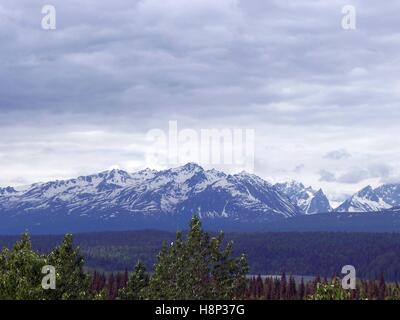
(390, 193)
(118, 197)
(367, 200)
(241, 196)
(310, 201)
(7, 191)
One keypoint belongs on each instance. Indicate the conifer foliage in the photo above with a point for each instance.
(138, 281)
(21, 272)
(72, 282)
(193, 266)
(198, 268)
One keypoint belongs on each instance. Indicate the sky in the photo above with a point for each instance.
(323, 101)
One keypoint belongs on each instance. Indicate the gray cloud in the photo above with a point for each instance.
(299, 168)
(380, 170)
(337, 155)
(142, 58)
(354, 175)
(327, 176)
(117, 69)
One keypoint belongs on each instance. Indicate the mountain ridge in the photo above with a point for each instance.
(175, 194)
(310, 201)
(116, 199)
(368, 199)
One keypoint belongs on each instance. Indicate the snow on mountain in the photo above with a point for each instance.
(175, 192)
(7, 191)
(310, 201)
(241, 196)
(366, 200)
(390, 193)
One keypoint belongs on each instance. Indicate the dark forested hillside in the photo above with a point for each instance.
(268, 253)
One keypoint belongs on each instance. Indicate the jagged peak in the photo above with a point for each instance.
(114, 172)
(292, 184)
(7, 190)
(190, 166)
(366, 191)
(148, 170)
(246, 175)
(296, 183)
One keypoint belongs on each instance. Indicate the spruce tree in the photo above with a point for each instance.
(283, 287)
(381, 288)
(291, 289)
(20, 272)
(72, 283)
(138, 280)
(302, 289)
(198, 268)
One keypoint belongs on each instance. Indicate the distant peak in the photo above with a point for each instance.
(368, 193)
(295, 183)
(147, 170)
(114, 172)
(246, 174)
(367, 190)
(292, 184)
(7, 190)
(191, 166)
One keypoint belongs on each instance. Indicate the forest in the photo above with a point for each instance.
(194, 265)
(304, 254)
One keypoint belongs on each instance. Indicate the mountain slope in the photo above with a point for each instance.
(241, 197)
(117, 199)
(390, 193)
(307, 199)
(369, 200)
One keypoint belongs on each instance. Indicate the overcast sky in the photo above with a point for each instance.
(323, 101)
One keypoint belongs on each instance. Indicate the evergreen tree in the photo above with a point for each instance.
(20, 272)
(282, 287)
(277, 289)
(268, 288)
(72, 283)
(138, 280)
(302, 289)
(259, 287)
(198, 268)
(291, 293)
(381, 288)
(330, 291)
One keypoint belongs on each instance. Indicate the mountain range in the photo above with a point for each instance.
(116, 200)
(386, 196)
(310, 201)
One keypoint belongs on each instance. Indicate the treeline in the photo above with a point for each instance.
(322, 253)
(267, 253)
(286, 288)
(274, 288)
(194, 265)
